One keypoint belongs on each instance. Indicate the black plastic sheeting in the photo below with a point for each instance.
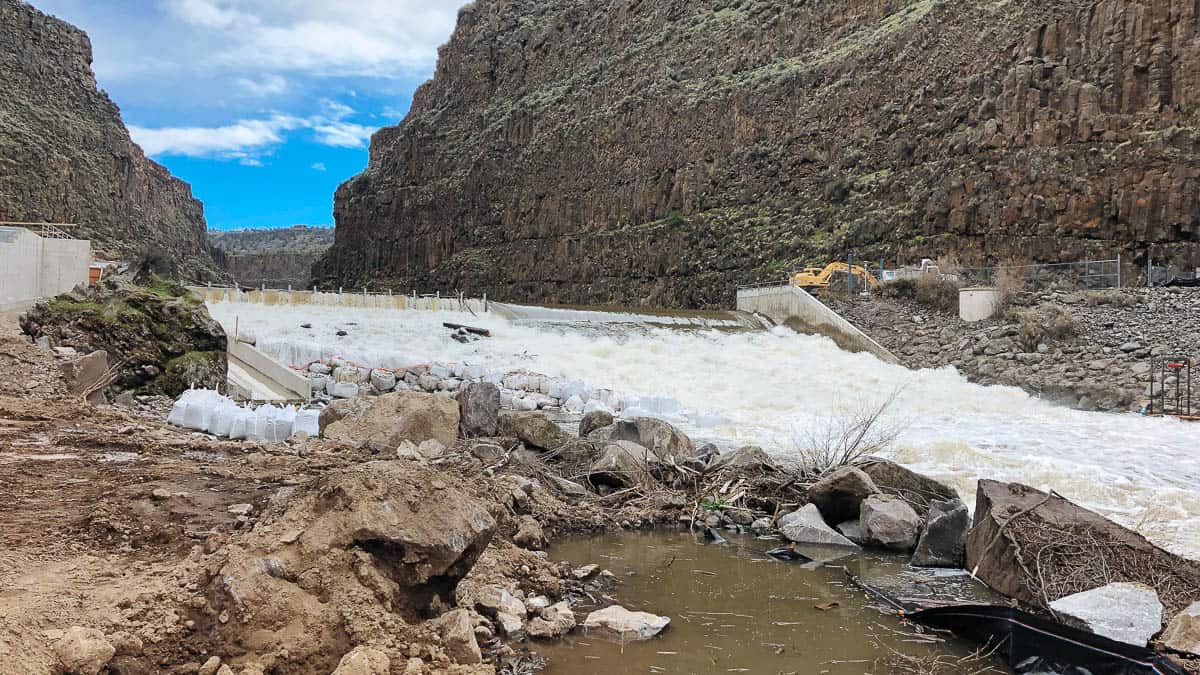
(1031, 644)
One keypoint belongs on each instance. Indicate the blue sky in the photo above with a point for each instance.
(264, 106)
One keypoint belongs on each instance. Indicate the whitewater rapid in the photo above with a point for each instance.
(773, 386)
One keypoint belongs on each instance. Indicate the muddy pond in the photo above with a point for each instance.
(734, 609)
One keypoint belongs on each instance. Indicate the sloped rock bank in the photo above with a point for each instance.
(68, 158)
(158, 338)
(659, 153)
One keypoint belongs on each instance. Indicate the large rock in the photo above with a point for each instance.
(1062, 541)
(888, 521)
(479, 410)
(747, 459)
(1125, 612)
(663, 439)
(382, 423)
(458, 637)
(807, 526)
(591, 421)
(85, 372)
(364, 661)
(530, 534)
(534, 429)
(618, 623)
(840, 493)
(375, 542)
(943, 541)
(83, 651)
(916, 489)
(554, 621)
(1183, 633)
(621, 464)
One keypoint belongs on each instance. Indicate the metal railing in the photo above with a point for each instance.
(47, 230)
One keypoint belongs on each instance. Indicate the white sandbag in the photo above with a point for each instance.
(240, 426)
(308, 421)
(574, 404)
(278, 427)
(596, 405)
(525, 403)
(222, 419)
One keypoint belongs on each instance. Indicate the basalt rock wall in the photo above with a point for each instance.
(659, 152)
(66, 157)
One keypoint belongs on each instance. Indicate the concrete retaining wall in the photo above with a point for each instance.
(365, 300)
(795, 308)
(34, 267)
(259, 377)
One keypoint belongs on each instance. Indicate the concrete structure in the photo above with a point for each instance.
(977, 303)
(796, 309)
(345, 299)
(254, 376)
(33, 266)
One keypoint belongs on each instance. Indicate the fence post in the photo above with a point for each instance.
(1149, 271)
(1118, 270)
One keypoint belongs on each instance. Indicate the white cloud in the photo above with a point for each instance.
(382, 38)
(319, 166)
(268, 85)
(244, 140)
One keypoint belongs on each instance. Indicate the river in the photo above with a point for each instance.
(773, 387)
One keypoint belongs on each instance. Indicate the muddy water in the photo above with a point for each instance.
(733, 609)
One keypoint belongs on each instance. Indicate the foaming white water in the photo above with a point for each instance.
(772, 386)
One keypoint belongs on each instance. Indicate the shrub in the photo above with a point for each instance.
(1009, 283)
(937, 293)
(1043, 323)
(848, 439)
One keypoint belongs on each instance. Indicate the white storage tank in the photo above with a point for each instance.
(977, 303)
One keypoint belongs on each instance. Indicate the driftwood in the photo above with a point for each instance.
(470, 329)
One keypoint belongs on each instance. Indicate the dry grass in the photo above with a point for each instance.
(1044, 323)
(928, 290)
(1010, 283)
(978, 662)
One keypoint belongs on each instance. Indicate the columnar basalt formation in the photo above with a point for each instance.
(658, 152)
(66, 157)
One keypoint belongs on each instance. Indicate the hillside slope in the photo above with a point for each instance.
(659, 152)
(277, 258)
(66, 157)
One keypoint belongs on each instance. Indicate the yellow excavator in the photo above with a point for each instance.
(816, 277)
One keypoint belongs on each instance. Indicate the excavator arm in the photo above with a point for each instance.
(813, 277)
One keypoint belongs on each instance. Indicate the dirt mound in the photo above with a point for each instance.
(160, 338)
(351, 558)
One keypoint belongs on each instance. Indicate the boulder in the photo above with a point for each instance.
(1125, 612)
(663, 439)
(807, 526)
(530, 534)
(1183, 633)
(621, 464)
(511, 626)
(569, 487)
(534, 429)
(746, 459)
(364, 661)
(83, 651)
(916, 489)
(479, 410)
(552, 622)
(840, 493)
(458, 637)
(594, 420)
(888, 521)
(618, 623)
(943, 541)
(851, 530)
(85, 372)
(494, 600)
(382, 423)
(999, 551)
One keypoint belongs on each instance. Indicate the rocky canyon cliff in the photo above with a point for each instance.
(65, 155)
(658, 152)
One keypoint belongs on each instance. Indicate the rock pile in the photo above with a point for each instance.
(1087, 349)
